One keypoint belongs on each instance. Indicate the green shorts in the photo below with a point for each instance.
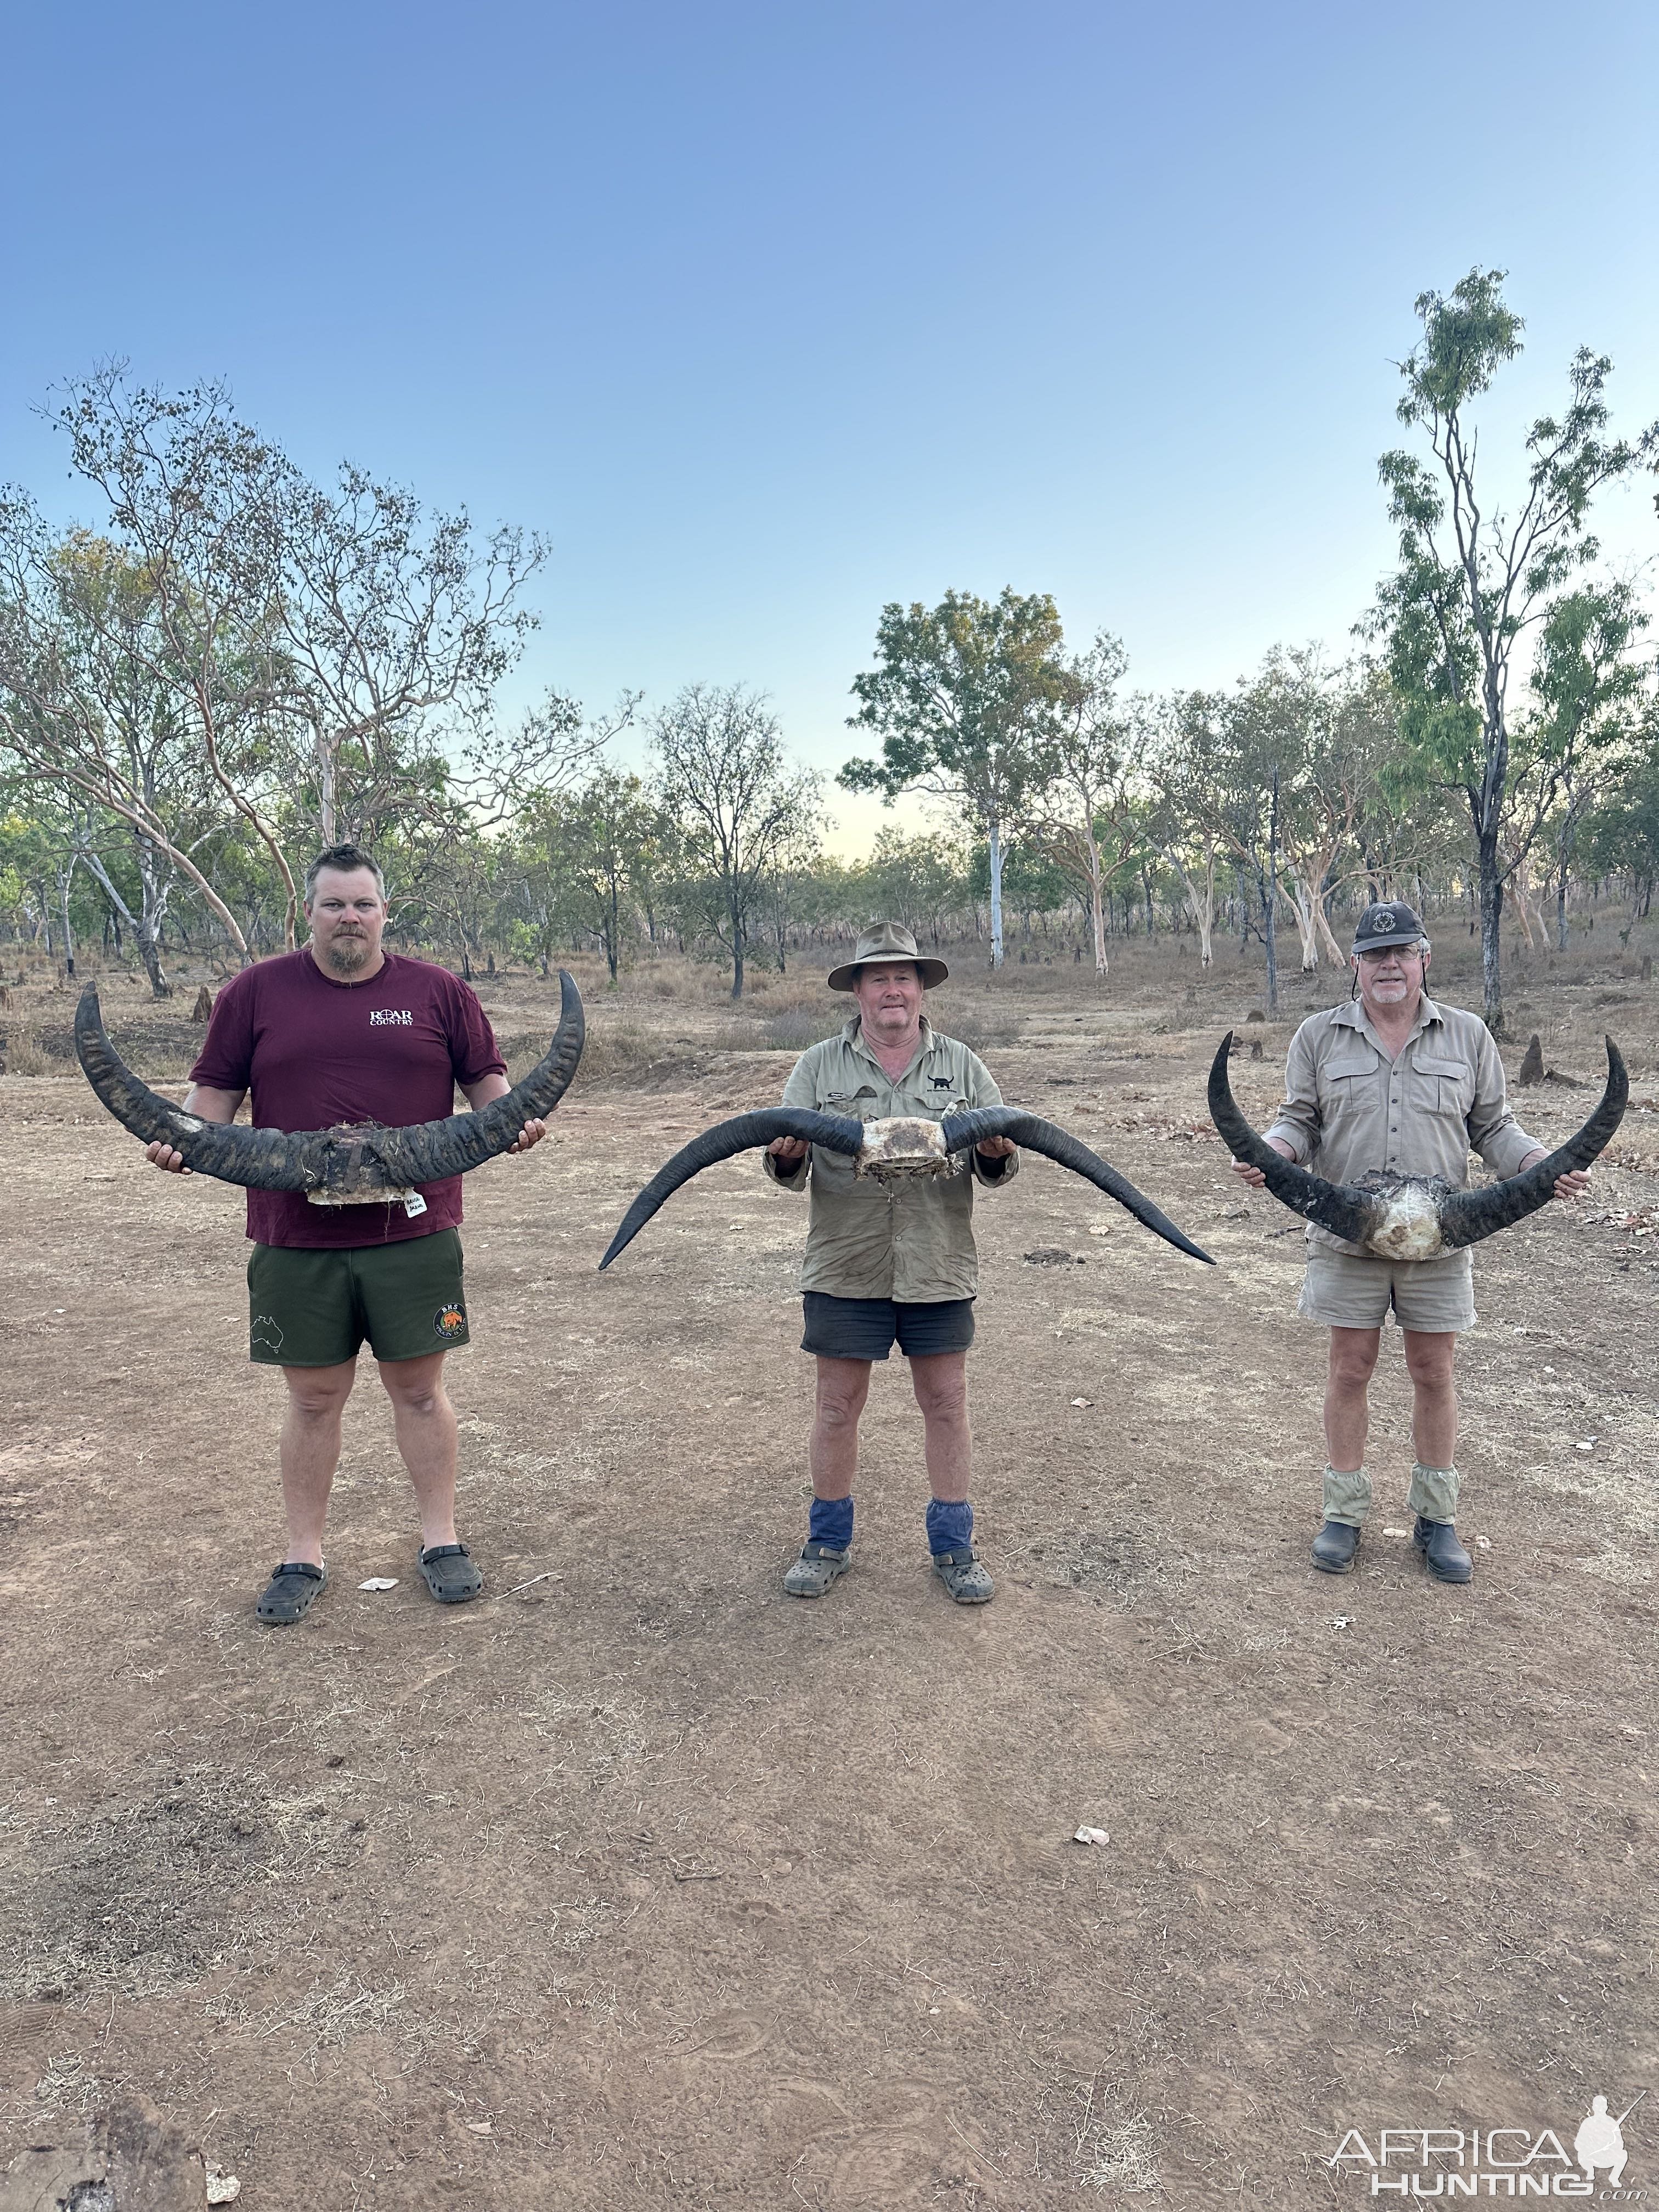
(1350, 1290)
(314, 1309)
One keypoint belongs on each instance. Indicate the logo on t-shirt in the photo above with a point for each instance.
(400, 1017)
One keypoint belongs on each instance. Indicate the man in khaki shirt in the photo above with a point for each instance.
(889, 1260)
(1394, 1080)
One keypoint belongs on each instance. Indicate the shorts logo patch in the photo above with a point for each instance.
(450, 1322)
(263, 1334)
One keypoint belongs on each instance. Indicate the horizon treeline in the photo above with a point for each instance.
(235, 665)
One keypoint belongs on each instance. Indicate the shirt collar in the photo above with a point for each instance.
(853, 1034)
(1351, 1015)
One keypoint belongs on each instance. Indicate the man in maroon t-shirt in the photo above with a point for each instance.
(343, 1032)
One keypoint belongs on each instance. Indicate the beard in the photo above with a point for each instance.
(346, 955)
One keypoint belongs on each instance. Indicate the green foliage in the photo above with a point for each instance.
(918, 881)
(962, 696)
(1474, 576)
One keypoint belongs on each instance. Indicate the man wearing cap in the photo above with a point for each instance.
(889, 1262)
(1391, 1080)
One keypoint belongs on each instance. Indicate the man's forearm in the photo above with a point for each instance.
(211, 1105)
(487, 1089)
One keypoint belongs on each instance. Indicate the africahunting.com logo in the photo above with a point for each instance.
(1500, 2161)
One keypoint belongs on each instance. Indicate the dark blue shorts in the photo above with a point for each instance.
(864, 1328)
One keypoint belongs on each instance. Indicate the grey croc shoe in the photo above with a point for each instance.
(287, 1596)
(448, 1572)
(968, 1580)
(816, 1568)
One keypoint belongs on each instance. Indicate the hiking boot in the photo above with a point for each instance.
(816, 1568)
(287, 1596)
(966, 1578)
(1443, 1554)
(1333, 1548)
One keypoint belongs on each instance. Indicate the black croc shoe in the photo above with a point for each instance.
(287, 1596)
(448, 1572)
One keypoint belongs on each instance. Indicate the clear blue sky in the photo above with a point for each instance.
(768, 313)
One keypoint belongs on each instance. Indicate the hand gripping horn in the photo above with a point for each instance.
(900, 1146)
(359, 1162)
(1413, 1217)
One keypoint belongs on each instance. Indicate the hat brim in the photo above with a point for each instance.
(844, 978)
(1391, 943)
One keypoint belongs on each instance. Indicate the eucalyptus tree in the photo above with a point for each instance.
(1087, 803)
(919, 881)
(593, 843)
(962, 696)
(1184, 748)
(1475, 575)
(736, 806)
(332, 653)
(1592, 698)
(90, 712)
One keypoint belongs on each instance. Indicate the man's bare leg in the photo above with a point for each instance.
(425, 1423)
(310, 1451)
(844, 1386)
(1346, 1489)
(832, 1452)
(1353, 1362)
(1430, 1359)
(941, 1382)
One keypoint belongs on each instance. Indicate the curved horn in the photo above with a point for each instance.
(261, 1159)
(1347, 1212)
(1036, 1135)
(272, 1159)
(1469, 1215)
(427, 1152)
(839, 1132)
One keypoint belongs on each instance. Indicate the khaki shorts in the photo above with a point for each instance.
(1344, 1290)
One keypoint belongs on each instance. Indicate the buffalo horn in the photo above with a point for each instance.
(1347, 1214)
(959, 1131)
(273, 1159)
(1467, 1216)
(839, 1132)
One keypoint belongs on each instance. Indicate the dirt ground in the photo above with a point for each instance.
(638, 1884)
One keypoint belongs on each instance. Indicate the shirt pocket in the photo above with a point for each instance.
(860, 1104)
(1438, 1084)
(1349, 1089)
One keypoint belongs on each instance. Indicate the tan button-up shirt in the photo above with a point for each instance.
(911, 1239)
(1349, 1108)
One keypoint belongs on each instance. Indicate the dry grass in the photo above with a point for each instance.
(23, 1053)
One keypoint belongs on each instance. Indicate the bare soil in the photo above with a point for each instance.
(638, 1884)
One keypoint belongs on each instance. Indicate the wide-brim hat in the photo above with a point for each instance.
(882, 942)
(1388, 923)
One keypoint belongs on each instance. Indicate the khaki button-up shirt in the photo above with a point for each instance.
(1349, 1108)
(911, 1239)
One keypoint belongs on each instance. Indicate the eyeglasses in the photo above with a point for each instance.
(1375, 959)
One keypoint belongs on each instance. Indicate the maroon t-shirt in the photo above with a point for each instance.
(314, 1051)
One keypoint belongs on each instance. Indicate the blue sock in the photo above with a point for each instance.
(830, 1522)
(950, 1525)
